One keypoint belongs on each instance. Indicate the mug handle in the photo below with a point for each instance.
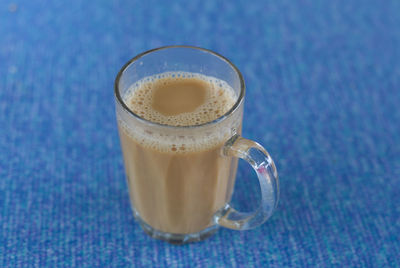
(262, 163)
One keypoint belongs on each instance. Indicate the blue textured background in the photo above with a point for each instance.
(323, 81)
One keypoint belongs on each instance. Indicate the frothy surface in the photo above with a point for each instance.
(219, 97)
(180, 99)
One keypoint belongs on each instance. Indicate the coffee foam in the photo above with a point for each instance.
(219, 99)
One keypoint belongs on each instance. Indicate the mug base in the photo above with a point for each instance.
(177, 239)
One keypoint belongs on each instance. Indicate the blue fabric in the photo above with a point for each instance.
(323, 95)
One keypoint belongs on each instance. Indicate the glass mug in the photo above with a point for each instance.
(180, 196)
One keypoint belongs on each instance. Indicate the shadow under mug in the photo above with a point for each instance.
(183, 197)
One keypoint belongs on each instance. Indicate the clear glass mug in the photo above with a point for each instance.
(182, 196)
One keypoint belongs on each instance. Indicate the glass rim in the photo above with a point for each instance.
(118, 96)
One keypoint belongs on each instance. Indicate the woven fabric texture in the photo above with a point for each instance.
(323, 96)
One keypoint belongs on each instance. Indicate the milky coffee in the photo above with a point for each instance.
(178, 179)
